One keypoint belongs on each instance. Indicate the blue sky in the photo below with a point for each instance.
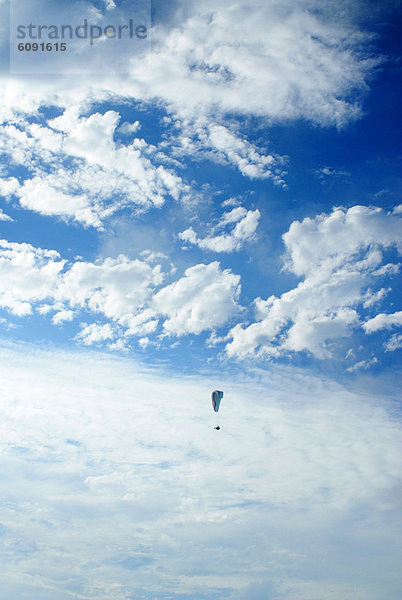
(216, 209)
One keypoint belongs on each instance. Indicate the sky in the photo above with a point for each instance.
(196, 196)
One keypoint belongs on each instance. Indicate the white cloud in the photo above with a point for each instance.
(383, 321)
(233, 216)
(394, 343)
(389, 269)
(94, 334)
(279, 60)
(49, 196)
(103, 178)
(206, 61)
(375, 297)
(116, 288)
(8, 186)
(152, 256)
(91, 138)
(246, 223)
(121, 290)
(326, 241)
(201, 139)
(128, 128)
(4, 216)
(205, 298)
(363, 365)
(28, 275)
(241, 153)
(47, 138)
(329, 172)
(339, 256)
(62, 316)
(142, 324)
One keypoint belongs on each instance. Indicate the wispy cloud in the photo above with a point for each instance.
(244, 225)
(4, 216)
(109, 467)
(276, 51)
(201, 139)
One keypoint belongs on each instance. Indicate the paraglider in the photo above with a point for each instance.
(216, 398)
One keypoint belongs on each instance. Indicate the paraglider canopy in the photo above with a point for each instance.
(216, 399)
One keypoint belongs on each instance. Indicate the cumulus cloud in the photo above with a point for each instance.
(62, 316)
(81, 173)
(121, 290)
(245, 225)
(127, 128)
(339, 256)
(28, 275)
(205, 298)
(383, 321)
(326, 241)
(50, 195)
(115, 288)
(33, 277)
(8, 186)
(94, 334)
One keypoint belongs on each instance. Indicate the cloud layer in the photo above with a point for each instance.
(115, 485)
